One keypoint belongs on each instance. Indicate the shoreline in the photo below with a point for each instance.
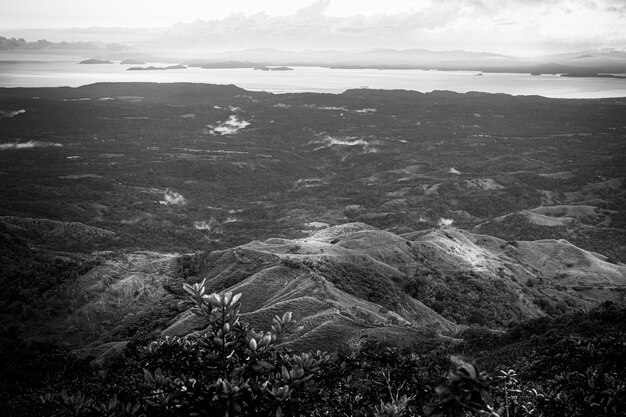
(335, 93)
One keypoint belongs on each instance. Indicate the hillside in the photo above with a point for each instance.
(582, 219)
(346, 285)
(469, 279)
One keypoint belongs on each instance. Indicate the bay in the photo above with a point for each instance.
(55, 72)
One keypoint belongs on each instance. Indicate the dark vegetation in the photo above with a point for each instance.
(466, 298)
(569, 366)
(27, 275)
(118, 148)
(363, 282)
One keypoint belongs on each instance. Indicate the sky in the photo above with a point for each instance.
(522, 27)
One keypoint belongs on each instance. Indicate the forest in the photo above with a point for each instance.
(571, 365)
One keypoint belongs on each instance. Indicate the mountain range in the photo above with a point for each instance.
(189, 45)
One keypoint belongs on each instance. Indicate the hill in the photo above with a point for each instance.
(595, 227)
(346, 285)
(142, 172)
(350, 210)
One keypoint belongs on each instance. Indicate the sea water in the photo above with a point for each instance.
(64, 72)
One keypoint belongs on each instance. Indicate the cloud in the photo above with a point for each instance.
(443, 223)
(329, 141)
(27, 145)
(486, 25)
(316, 8)
(173, 198)
(11, 113)
(229, 127)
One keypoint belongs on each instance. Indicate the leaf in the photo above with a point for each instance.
(442, 390)
(174, 394)
(287, 317)
(148, 376)
(112, 402)
(252, 344)
(430, 410)
(236, 298)
(486, 397)
(226, 298)
(189, 289)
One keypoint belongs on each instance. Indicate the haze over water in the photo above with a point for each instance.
(41, 39)
(58, 73)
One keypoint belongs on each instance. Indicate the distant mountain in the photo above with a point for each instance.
(153, 68)
(197, 44)
(7, 44)
(600, 61)
(93, 61)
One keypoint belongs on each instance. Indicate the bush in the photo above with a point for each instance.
(572, 365)
(229, 369)
(232, 370)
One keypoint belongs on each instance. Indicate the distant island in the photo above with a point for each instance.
(236, 64)
(225, 64)
(592, 74)
(151, 68)
(95, 61)
(266, 68)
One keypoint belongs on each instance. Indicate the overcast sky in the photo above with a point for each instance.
(505, 26)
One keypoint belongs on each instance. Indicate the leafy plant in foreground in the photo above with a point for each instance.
(228, 369)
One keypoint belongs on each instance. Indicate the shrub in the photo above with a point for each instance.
(571, 365)
(229, 369)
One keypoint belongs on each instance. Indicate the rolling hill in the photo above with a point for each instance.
(350, 209)
(398, 227)
(346, 285)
